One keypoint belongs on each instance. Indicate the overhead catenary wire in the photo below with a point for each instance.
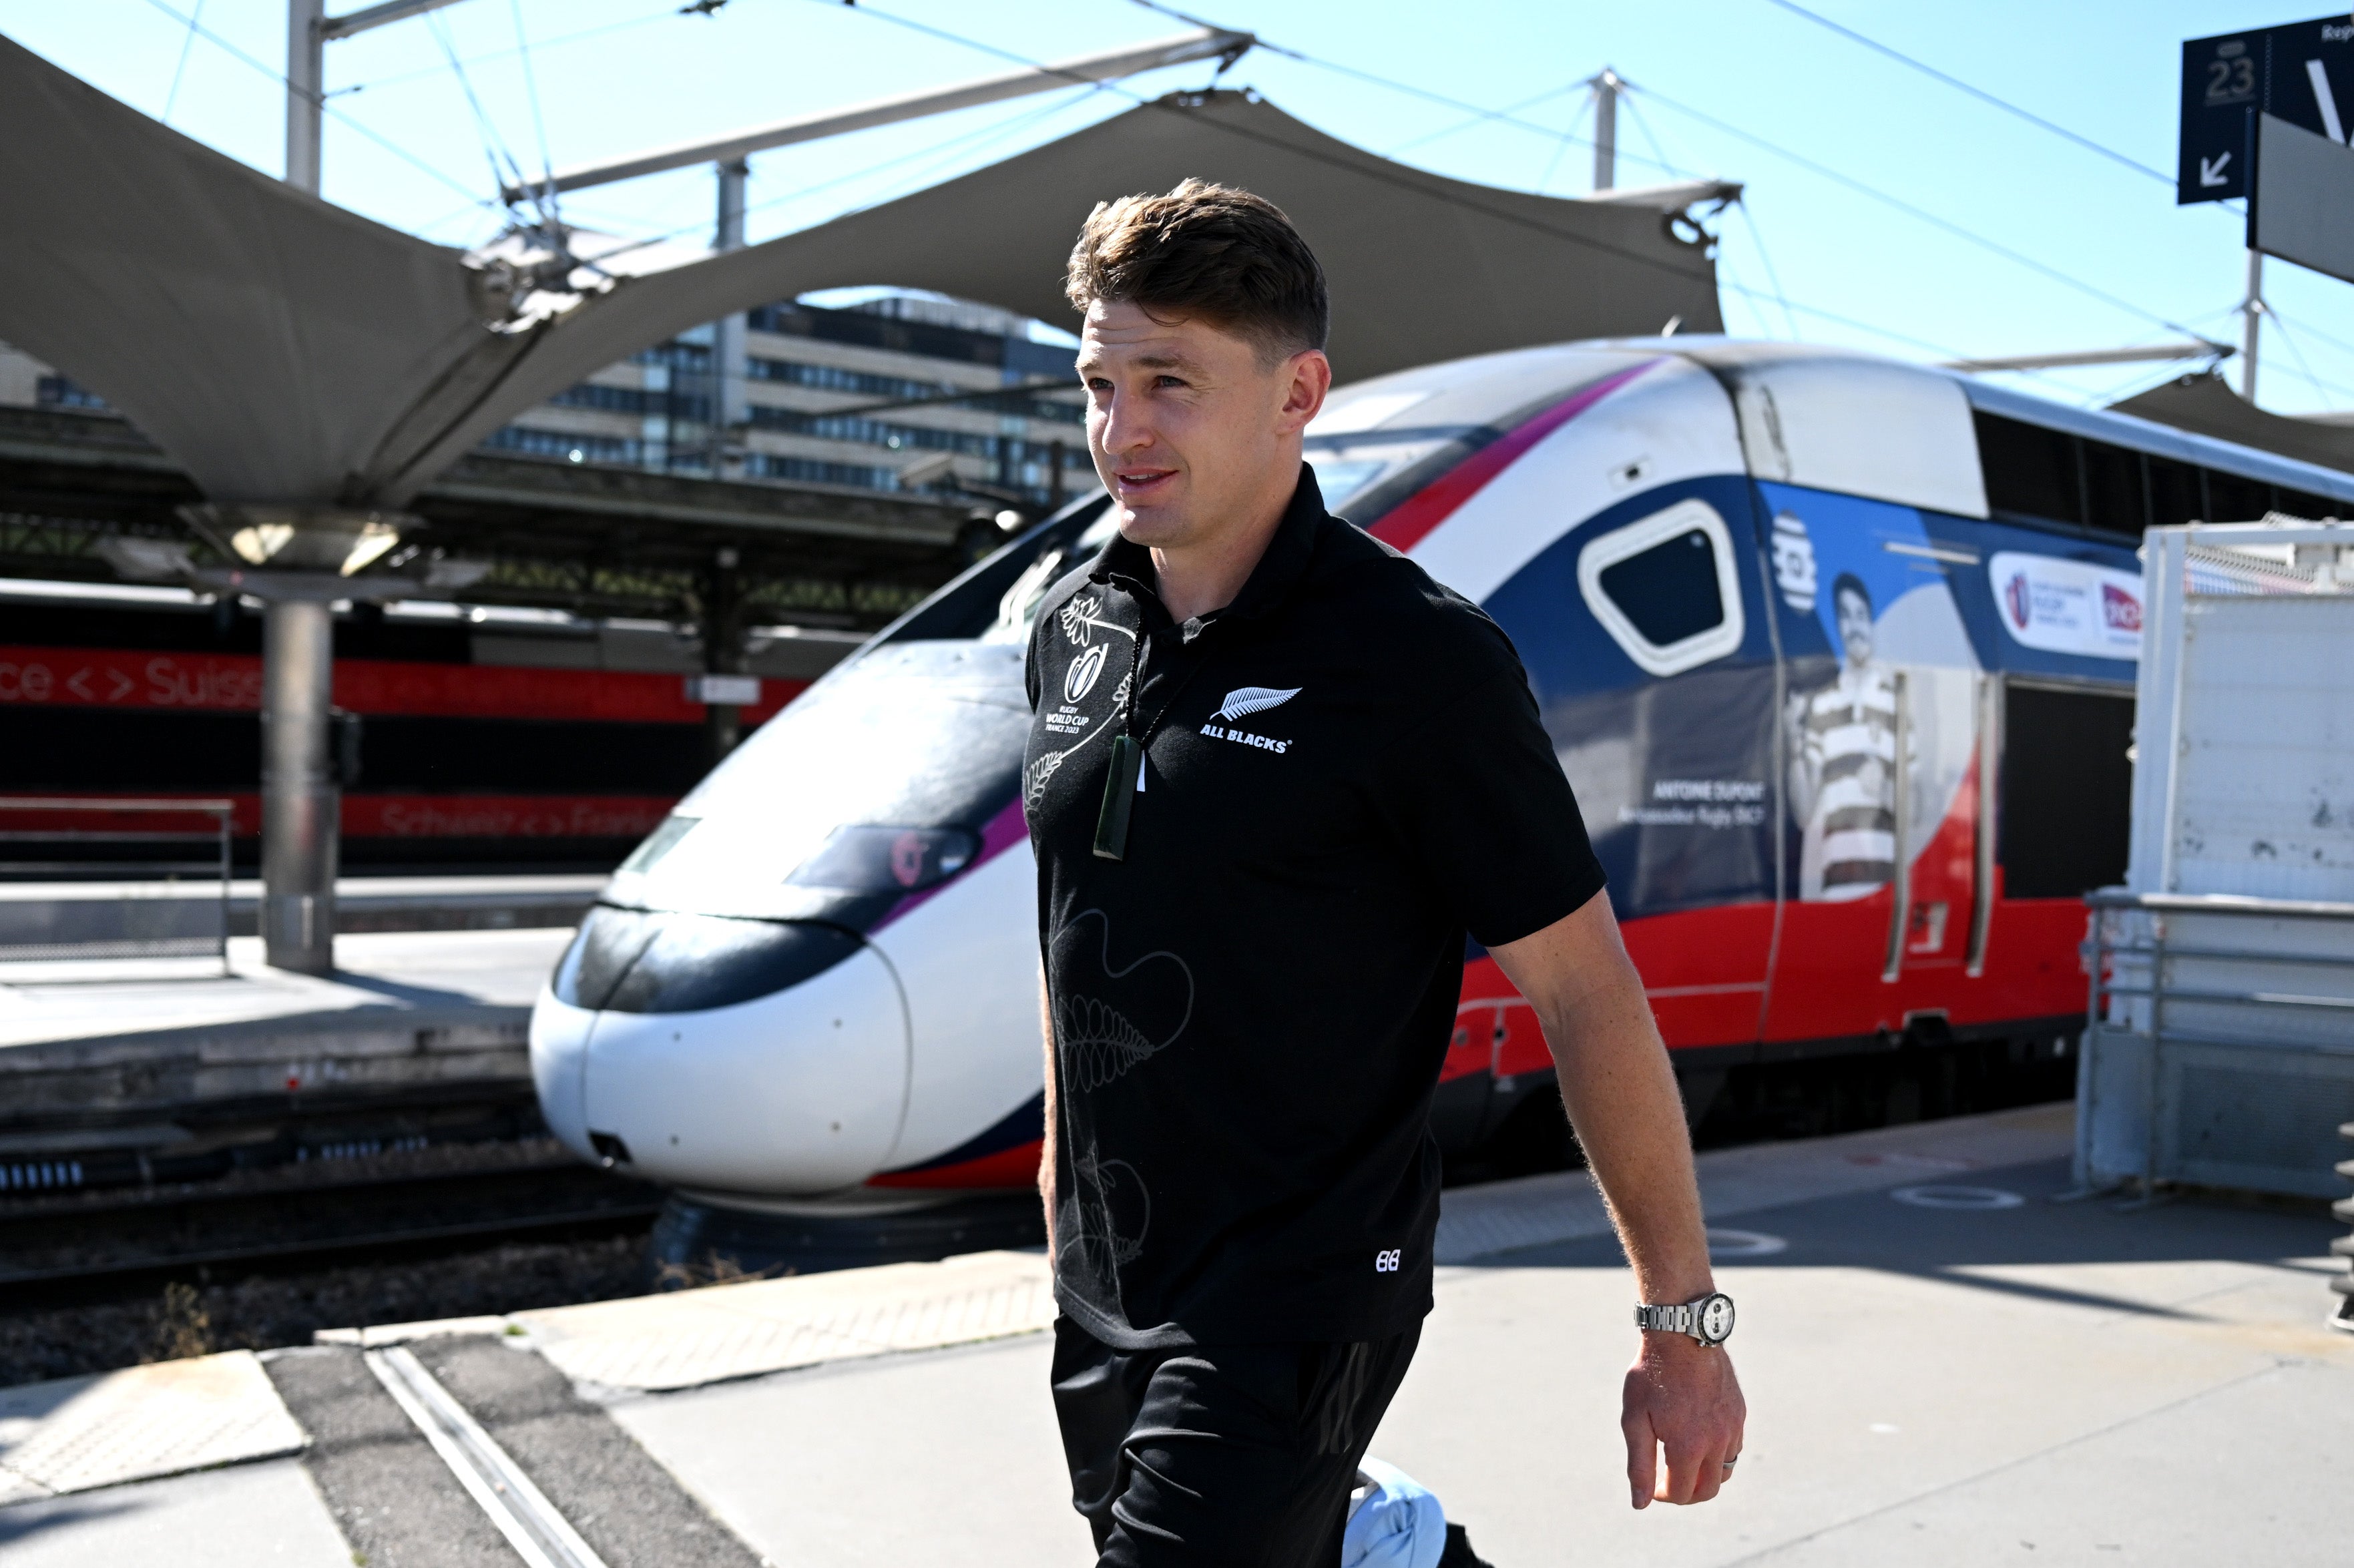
(1890, 335)
(1402, 178)
(399, 79)
(1497, 116)
(2136, 164)
(1482, 118)
(1897, 203)
(397, 151)
(1561, 148)
(546, 200)
(187, 42)
(2304, 371)
(495, 147)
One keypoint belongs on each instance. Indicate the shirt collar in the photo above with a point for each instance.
(1279, 569)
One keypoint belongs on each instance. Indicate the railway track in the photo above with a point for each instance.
(361, 1205)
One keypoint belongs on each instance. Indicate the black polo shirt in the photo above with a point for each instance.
(1344, 773)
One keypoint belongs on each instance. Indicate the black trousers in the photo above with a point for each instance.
(1232, 1454)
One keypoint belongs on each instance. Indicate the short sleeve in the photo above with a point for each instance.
(1479, 797)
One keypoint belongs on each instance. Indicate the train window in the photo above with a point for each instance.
(1665, 587)
(2237, 500)
(2067, 786)
(2029, 470)
(2175, 493)
(2312, 508)
(659, 843)
(886, 859)
(2113, 489)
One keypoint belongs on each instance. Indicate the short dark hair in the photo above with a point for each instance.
(1225, 255)
(1848, 582)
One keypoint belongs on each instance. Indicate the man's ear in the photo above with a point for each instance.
(1308, 377)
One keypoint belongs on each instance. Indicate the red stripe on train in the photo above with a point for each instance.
(1408, 523)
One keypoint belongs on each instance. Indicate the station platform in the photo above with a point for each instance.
(1945, 1366)
(101, 910)
(119, 1043)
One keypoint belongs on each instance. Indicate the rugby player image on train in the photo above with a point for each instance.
(1793, 617)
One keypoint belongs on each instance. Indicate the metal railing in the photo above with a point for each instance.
(147, 924)
(2128, 963)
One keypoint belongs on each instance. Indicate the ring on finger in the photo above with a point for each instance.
(1735, 1461)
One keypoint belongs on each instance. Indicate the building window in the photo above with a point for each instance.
(566, 447)
(59, 392)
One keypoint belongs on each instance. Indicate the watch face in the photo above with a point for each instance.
(1716, 1319)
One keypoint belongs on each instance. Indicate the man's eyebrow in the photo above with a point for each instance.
(1088, 362)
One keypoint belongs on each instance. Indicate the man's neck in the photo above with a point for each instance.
(1195, 579)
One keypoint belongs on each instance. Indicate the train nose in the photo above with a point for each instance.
(725, 1054)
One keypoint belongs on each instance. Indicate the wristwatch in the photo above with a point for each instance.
(1708, 1319)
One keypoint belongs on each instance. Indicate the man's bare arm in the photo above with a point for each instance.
(1622, 1099)
(1046, 1147)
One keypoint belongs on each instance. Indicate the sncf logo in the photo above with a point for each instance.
(1386, 1261)
(1080, 678)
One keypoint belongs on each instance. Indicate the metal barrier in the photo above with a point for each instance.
(146, 919)
(2220, 1050)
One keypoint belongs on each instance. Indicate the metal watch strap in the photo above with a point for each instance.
(1676, 1318)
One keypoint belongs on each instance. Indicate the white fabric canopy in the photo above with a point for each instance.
(289, 352)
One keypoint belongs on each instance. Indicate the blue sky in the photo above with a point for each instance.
(616, 76)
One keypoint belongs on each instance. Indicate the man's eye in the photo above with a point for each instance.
(1167, 381)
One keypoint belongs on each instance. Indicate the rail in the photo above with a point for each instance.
(58, 927)
(2135, 961)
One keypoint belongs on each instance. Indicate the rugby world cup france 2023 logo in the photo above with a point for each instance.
(1080, 678)
(2019, 598)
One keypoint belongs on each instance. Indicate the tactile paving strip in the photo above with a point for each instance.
(78, 1432)
(691, 1338)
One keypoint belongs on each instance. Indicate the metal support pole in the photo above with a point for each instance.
(306, 77)
(2254, 311)
(226, 819)
(1605, 129)
(730, 363)
(723, 649)
(301, 804)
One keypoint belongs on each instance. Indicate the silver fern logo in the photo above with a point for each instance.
(1248, 700)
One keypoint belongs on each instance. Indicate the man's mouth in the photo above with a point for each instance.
(1143, 482)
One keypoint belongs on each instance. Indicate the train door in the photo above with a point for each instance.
(2061, 822)
(1886, 734)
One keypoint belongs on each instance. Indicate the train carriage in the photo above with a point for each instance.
(1837, 652)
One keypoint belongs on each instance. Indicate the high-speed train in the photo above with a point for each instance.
(1838, 654)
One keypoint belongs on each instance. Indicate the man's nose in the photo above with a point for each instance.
(1125, 429)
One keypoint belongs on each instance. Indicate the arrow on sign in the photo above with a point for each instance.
(78, 684)
(122, 684)
(2211, 170)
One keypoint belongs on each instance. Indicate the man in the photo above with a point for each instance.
(1276, 776)
(1843, 763)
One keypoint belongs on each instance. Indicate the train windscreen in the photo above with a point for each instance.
(883, 774)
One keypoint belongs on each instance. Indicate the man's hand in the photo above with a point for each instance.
(1680, 1396)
